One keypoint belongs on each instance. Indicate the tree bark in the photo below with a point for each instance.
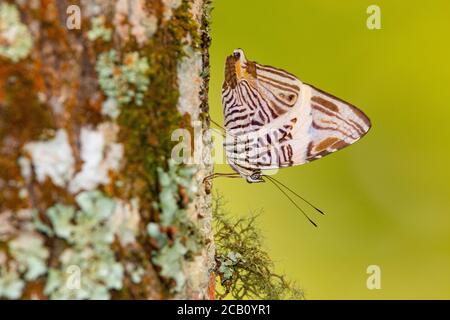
(93, 204)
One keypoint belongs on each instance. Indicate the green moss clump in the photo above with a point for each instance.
(146, 129)
(243, 267)
(147, 116)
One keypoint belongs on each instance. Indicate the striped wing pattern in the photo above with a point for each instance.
(274, 120)
(335, 124)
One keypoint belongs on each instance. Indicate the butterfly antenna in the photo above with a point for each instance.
(215, 123)
(293, 202)
(225, 133)
(296, 194)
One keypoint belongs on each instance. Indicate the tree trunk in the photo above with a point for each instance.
(94, 202)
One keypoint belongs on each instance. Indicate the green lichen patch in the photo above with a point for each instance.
(15, 39)
(87, 268)
(124, 80)
(31, 255)
(176, 237)
(243, 266)
(23, 255)
(11, 284)
(169, 196)
(27, 261)
(99, 30)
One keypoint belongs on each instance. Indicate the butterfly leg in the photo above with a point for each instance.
(219, 174)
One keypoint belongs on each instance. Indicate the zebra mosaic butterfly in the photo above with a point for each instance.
(274, 120)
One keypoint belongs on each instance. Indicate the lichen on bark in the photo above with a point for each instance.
(86, 117)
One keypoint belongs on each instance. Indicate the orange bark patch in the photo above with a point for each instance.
(212, 286)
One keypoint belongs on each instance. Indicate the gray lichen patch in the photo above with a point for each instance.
(15, 38)
(84, 265)
(189, 83)
(100, 154)
(54, 159)
(125, 221)
(169, 7)
(133, 20)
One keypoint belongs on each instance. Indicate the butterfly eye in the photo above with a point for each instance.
(256, 176)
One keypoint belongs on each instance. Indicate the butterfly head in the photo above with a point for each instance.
(255, 177)
(237, 69)
(239, 56)
(279, 87)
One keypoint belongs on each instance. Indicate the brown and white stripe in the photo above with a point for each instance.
(274, 120)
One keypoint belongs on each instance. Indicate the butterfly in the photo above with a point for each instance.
(274, 120)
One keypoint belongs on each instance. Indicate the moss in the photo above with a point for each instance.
(243, 267)
(208, 8)
(146, 129)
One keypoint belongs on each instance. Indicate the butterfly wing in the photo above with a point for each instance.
(254, 95)
(334, 124)
(319, 124)
(274, 120)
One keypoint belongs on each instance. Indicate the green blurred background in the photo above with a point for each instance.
(387, 197)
